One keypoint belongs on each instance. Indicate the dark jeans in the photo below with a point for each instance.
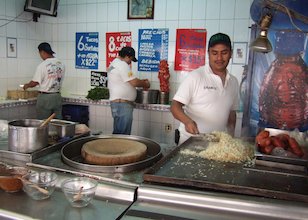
(122, 114)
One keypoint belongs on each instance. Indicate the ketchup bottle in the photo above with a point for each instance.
(283, 98)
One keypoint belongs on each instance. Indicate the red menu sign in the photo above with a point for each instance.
(115, 41)
(190, 49)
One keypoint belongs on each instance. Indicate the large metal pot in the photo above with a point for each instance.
(147, 96)
(25, 136)
(62, 128)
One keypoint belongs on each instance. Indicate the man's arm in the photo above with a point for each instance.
(140, 83)
(178, 113)
(30, 84)
(231, 123)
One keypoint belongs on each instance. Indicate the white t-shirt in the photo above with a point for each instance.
(119, 73)
(206, 100)
(49, 74)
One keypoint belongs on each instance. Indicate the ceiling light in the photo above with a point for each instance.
(262, 44)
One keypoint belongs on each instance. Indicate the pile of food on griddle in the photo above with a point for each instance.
(222, 147)
(282, 143)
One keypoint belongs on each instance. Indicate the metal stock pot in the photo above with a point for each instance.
(147, 96)
(26, 136)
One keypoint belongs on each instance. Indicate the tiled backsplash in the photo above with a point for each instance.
(150, 121)
(146, 123)
(229, 16)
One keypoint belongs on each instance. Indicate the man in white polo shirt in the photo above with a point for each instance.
(49, 77)
(121, 84)
(209, 94)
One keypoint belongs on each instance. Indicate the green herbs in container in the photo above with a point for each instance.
(98, 93)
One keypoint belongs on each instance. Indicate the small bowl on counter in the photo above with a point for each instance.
(10, 177)
(79, 191)
(39, 185)
(10, 184)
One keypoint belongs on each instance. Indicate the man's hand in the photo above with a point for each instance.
(191, 127)
(179, 114)
(31, 84)
(25, 87)
(146, 83)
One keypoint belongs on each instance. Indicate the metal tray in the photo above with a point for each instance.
(192, 171)
(71, 155)
(282, 159)
(62, 128)
(29, 157)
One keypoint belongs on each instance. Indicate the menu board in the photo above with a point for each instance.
(115, 41)
(99, 79)
(153, 47)
(190, 49)
(87, 50)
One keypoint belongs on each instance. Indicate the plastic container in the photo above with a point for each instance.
(76, 113)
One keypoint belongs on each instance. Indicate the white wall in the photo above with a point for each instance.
(228, 16)
(15, 71)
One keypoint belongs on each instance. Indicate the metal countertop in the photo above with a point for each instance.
(125, 196)
(110, 202)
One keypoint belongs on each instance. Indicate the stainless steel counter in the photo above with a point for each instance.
(15, 103)
(125, 196)
(109, 203)
(81, 100)
(158, 202)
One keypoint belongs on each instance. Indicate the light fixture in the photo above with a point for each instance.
(262, 44)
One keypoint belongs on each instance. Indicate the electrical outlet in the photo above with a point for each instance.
(168, 127)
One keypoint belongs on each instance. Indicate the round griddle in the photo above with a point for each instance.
(71, 155)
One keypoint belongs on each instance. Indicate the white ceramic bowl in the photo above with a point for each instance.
(39, 185)
(79, 191)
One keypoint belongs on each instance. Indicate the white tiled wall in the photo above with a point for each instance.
(229, 16)
(15, 71)
(18, 112)
(150, 124)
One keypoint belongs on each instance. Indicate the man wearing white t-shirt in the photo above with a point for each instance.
(209, 94)
(49, 76)
(121, 84)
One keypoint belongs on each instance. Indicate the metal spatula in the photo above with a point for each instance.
(210, 137)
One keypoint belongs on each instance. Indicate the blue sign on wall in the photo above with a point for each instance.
(87, 50)
(153, 47)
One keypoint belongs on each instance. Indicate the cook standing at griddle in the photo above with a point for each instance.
(209, 94)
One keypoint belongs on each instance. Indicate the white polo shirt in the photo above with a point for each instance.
(49, 74)
(207, 101)
(119, 73)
